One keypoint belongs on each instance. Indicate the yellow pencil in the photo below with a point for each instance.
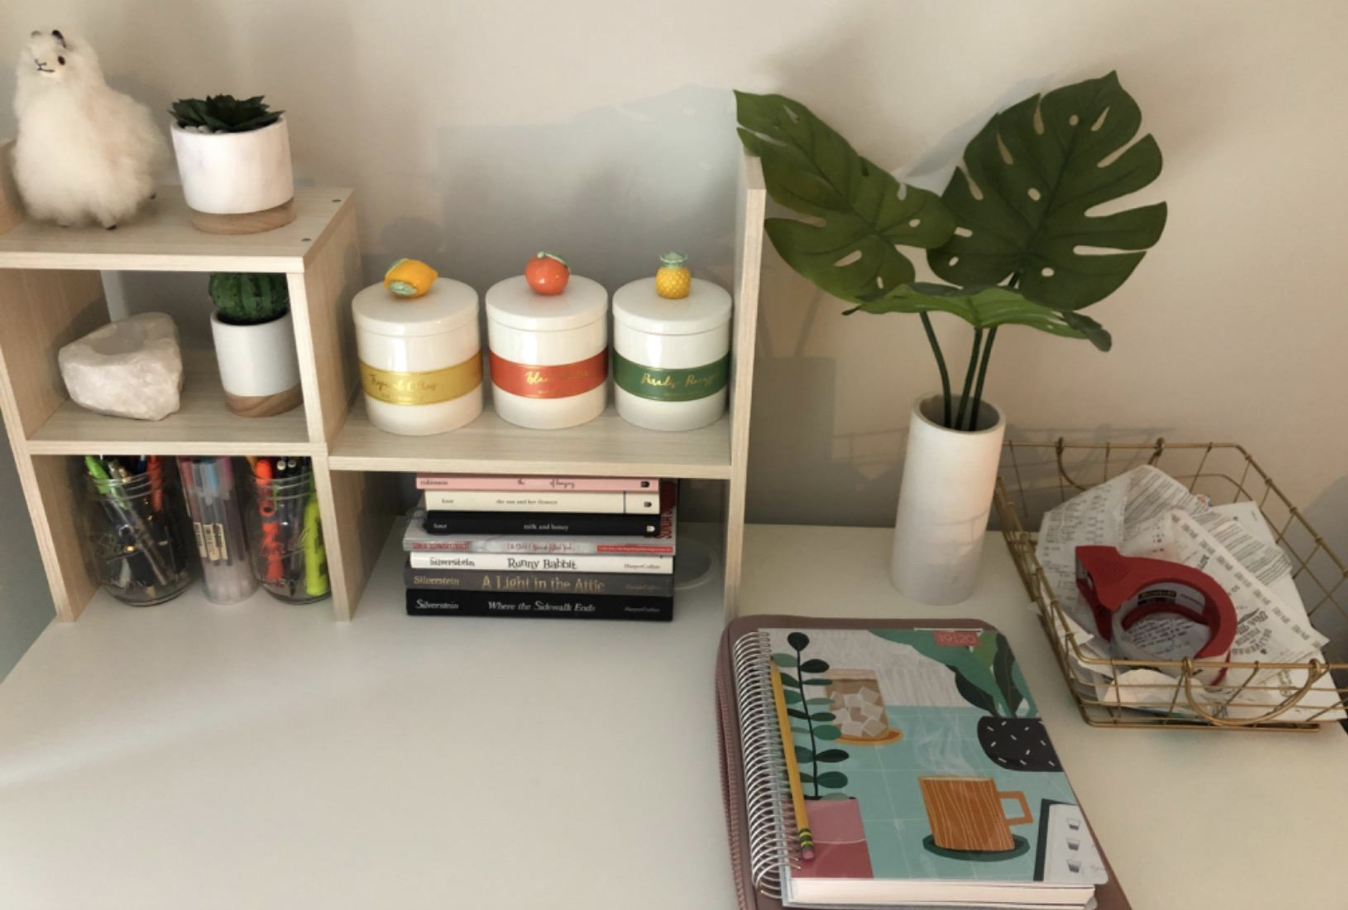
(792, 770)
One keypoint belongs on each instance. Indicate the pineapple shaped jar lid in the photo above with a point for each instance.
(674, 303)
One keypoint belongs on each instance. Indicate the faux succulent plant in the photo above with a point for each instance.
(223, 114)
(249, 299)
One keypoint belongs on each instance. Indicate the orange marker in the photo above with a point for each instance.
(266, 507)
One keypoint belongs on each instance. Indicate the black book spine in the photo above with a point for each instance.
(577, 523)
(579, 584)
(421, 602)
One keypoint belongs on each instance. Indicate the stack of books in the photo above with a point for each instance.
(565, 547)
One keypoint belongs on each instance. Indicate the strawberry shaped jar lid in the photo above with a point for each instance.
(639, 306)
(514, 303)
(446, 306)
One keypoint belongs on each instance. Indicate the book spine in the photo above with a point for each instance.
(493, 501)
(510, 562)
(539, 546)
(575, 583)
(577, 523)
(506, 483)
(556, 606)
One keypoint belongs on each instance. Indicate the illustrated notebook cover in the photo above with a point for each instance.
(919, 762)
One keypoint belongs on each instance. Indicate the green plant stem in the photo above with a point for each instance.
(982, 375)
(809, 722)
(1012, 283)
(940, 365)
(969, 379)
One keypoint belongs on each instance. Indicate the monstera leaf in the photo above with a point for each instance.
(987, 307)
(859, 211)
(1032, 175)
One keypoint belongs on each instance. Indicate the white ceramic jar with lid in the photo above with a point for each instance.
(671, 357)
(420, 357)
(549, 352)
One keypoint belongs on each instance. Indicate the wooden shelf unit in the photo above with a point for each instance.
(52, 293)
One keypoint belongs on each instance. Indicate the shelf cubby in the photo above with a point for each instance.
(202, 425)
(52, 293)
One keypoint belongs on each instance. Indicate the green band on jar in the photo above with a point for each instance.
(670, 385)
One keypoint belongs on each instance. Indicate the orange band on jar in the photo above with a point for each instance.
(562, 380)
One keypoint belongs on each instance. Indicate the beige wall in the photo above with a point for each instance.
(479, 131)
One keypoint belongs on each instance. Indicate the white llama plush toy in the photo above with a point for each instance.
(84, 152)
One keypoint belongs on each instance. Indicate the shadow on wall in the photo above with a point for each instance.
(1328, 514)
(609, 190)
(25, 603)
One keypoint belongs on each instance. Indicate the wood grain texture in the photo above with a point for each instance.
(256, 406)
(43, 311)
(203, 425)
(324, 332)
(749, 214)
(55, 495)
(246, 222)
(11, 206)
(606, 446)
(358, 510)
(163, 239)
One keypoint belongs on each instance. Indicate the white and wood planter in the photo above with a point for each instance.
(237, 183)
(259, 370)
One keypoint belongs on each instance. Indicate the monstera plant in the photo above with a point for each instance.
(1012, 234)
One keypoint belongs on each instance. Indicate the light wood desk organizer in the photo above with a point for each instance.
(51, 292)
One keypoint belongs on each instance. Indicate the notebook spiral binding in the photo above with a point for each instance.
(773, 842)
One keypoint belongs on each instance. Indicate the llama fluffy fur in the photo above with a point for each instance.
(84, 152)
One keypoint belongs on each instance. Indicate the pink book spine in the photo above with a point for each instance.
(505, 483)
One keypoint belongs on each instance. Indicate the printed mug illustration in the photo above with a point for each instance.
(968, 818)
(859, 708)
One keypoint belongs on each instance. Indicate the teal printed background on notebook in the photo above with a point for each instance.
(922, 757)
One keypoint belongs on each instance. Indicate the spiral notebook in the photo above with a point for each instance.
(911, 770)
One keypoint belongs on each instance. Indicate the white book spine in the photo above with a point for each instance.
(513, 562)
(535, 501)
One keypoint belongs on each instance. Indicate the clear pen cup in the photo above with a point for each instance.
(137, 538)
(285, 538)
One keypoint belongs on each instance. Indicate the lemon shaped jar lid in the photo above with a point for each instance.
(448, 305)
(638, 306)
(514, 303)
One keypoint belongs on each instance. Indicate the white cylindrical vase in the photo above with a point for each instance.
(259, 369)
(944, 500)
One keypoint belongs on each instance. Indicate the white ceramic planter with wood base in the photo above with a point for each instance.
(258, 366)
(237, 183)
(944, 501)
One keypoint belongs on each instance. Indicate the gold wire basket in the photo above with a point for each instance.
(1035, 477)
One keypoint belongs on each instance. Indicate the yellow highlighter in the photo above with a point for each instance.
(792, 769)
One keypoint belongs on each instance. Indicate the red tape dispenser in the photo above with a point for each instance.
(1124, 590)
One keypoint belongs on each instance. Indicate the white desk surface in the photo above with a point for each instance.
(263, 756)
(1190, 820)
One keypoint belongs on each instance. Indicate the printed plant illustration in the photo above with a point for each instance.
(988, 677)
(985, 674)
(800, 678)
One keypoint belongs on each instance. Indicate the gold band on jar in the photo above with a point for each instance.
(429, 387)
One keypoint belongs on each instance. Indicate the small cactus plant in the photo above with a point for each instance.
(248, 299)
(223, 114)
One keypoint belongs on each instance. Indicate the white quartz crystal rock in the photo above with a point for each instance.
(128, 368)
